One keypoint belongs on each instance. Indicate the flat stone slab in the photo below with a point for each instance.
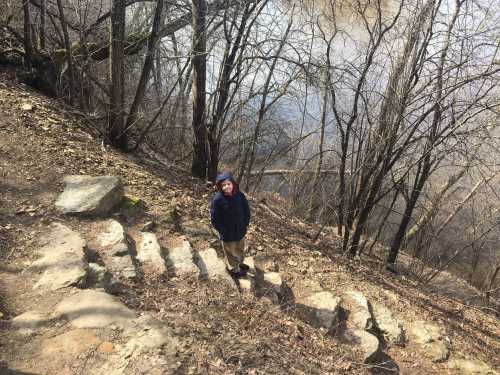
(366, 343)
(149, 333)
(63, 262)
(94, 309)
(180, 260)
(320, 309)
(211, 266)
(471, 367)
(69, 344)
(86, 195)
(359, 313)
(388, 324)
(149, 252)
(28, 322)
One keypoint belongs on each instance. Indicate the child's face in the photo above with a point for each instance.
(227, 187)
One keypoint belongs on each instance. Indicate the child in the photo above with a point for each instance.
(230, 215)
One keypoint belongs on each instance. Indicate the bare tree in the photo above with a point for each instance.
(116, 129)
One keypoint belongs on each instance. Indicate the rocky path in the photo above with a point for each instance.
(76, 324)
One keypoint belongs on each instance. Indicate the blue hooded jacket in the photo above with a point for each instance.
(230, 215)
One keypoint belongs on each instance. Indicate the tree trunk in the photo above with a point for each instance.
(43, 11)
(28, 43)
(69, 58)
(200, 157)
(147, 67)
(319, 164)
(116, 130)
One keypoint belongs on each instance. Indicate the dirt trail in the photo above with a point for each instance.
(40, 143)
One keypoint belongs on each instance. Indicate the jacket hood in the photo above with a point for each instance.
(226, 176)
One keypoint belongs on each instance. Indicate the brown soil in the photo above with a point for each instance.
(226, 332)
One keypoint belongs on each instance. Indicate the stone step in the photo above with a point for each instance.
(63, 262)
(115, 250)
(180, 259)
(211, 266)
(150, 254)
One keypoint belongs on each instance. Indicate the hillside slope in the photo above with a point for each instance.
(216, 328)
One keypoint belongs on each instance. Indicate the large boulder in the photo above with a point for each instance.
(93, 196)
(388, 324)
(365, 343)
(94, 309)
(63, 262)
(359, 315)
(320, 309)
(431, 339)
(314, 305)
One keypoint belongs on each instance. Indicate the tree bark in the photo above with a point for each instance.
(147, 67)
(43, 11)
(200, 157)
(116, 130)
(28, 43)
(69, 57)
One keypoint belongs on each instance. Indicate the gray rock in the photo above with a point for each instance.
(122, 266)
(270, 285)
(211, 266)
(63, 261)
(471, 367)
(149, 333)
(366, 343)
(437, 351)
(94, 309)
(423, 332)
(264, 263)
(359, 315)
(150, 254)
(115, 250)
(431, 339)
(88, 195)
(28, 322)
(247, 284)
(112, 234)
(388, 324)
(320, 309)
(180, 260)
(196, 229)
(99, 277)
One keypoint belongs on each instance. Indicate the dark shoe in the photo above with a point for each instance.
(244, 267)
(238, 274)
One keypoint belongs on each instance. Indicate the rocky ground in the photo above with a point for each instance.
(131, 283)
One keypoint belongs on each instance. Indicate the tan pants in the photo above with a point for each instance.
(234, 252)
